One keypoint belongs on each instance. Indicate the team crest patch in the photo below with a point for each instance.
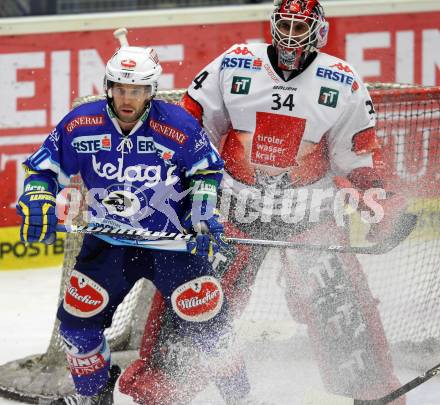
(84, 297)
(241, 85)
(198, 300)
(328, 97)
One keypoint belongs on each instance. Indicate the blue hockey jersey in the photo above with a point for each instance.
(137, 180)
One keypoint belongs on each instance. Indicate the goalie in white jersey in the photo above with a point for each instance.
(293, 126)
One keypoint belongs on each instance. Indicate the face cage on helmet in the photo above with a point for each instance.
(293, 49)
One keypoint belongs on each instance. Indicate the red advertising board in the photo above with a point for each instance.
(41, 74)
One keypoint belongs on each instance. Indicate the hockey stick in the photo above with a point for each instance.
(402, 229)
(317, 398)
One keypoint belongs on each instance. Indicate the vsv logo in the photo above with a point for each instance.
(92, 143)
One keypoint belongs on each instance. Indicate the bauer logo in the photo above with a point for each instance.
(328, 97)
(92, 143)
(84, 297)
(241, 85)
(198, 300)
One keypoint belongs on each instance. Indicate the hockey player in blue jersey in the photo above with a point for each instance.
(146, 164)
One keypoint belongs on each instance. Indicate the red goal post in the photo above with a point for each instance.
(406, 281)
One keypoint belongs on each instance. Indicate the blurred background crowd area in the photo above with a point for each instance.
(17, 8)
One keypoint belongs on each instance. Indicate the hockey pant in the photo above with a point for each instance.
(179, 374)
(103, 276)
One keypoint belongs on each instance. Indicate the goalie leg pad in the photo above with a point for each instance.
(343, 321)
(88, 358)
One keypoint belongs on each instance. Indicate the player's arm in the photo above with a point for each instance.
(356, 157)
(204, 100)
(45, 175)
(203, 168)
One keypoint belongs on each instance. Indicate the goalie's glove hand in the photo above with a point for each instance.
(210, 238)
(394, 206)
(37, 209)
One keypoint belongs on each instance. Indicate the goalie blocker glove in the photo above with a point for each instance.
(37, 207)
(203, 218)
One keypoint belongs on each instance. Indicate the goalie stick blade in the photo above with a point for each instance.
(322, 398)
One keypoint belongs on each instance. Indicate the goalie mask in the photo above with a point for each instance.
(298, 28)
(133, 65)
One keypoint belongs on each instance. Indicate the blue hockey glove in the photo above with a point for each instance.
(37, 209)
(203, 219)
(210, 238)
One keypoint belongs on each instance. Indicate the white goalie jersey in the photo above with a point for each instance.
(315, 125)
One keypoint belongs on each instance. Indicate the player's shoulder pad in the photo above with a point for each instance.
(91, 113)
(246, 50)
(167, 117)
(337, 64)
(342, 73)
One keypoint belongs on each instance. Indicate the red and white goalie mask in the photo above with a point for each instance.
(298, 28)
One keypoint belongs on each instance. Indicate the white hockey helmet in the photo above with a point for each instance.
(298, 28)
(132, 65)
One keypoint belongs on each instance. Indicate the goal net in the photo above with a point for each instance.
(406, 280)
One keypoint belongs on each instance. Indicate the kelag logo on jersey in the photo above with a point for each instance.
(92, 143)
(241, 85)
(328, 97)
(336, 76)
(241, 58)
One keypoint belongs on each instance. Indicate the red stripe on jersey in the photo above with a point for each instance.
(193, 107)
